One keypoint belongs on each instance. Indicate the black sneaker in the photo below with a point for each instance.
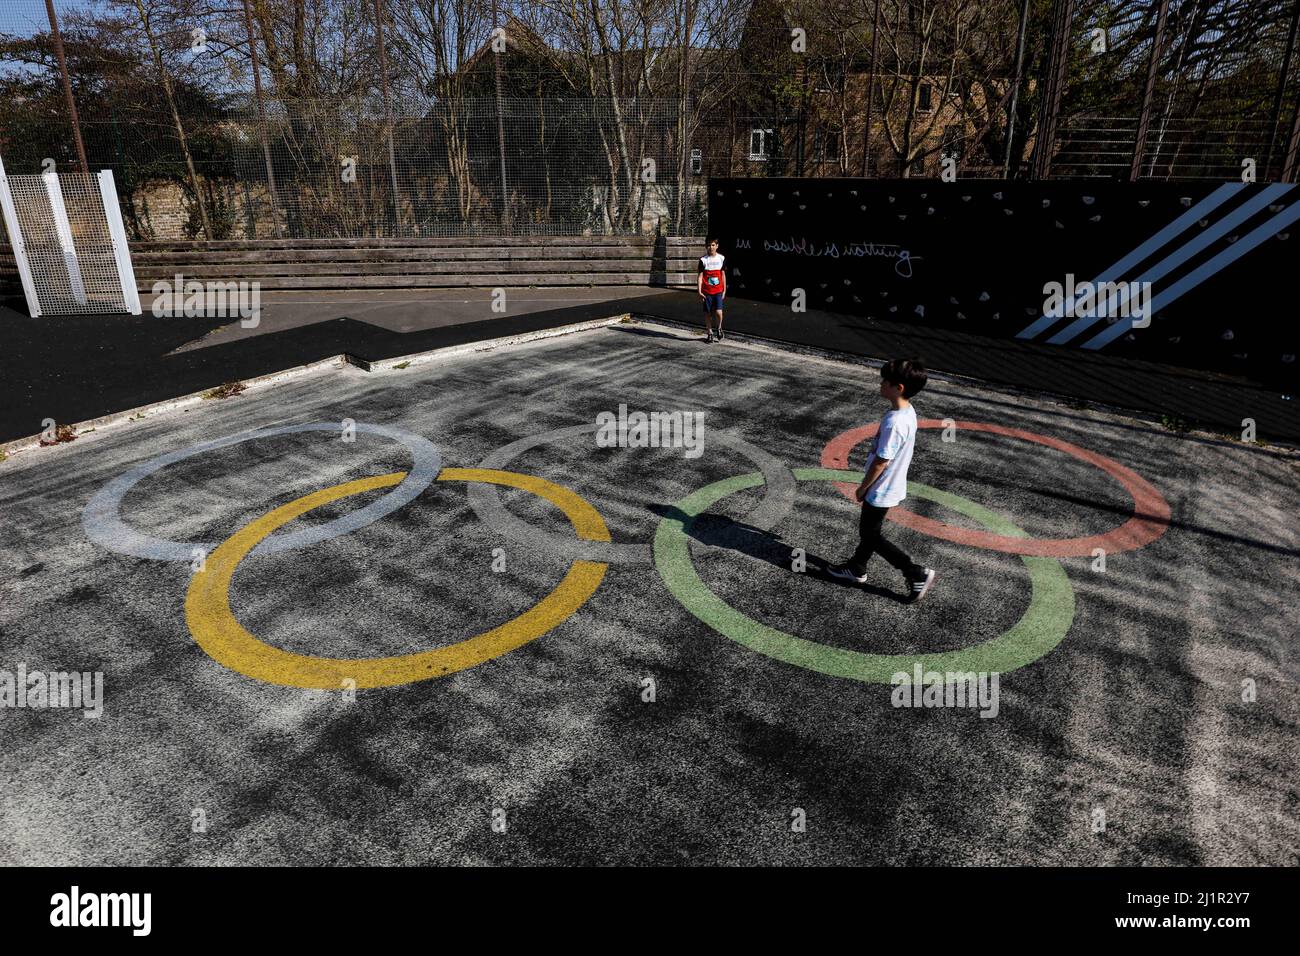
(708, 336)
(845, 573)
(719, 333)
(919, 587)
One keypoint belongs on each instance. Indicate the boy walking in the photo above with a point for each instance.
(885, 482)
(713, 287)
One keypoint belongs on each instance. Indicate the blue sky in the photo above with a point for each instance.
(26, 17)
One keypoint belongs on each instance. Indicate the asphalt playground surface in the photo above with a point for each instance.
(629, 730)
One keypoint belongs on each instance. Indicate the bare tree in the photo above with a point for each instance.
(145, 13)
(925, 50)
(433, 41)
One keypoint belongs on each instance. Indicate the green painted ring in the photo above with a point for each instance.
(1042, 627)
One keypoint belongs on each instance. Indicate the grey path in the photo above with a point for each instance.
(1139, 712)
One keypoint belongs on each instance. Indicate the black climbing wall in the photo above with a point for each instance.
(976, 256)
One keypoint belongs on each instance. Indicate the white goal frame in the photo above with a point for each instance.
(69, 262)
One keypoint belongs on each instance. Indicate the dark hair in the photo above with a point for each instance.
(909, 373)
(710, 239)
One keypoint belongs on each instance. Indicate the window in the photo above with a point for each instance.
(925, 98)
(697, 161)
(760, 143)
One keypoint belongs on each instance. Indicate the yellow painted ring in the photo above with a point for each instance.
(215, 629)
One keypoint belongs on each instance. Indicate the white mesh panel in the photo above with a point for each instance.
(56, 266)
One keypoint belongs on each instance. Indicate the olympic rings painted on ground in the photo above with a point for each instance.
(486, 502)
(215, 629)
(1150, 518)
(1043, 626)
(102, 517)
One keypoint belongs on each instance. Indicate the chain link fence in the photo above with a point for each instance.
(315, 169)
(1224, 94)
(1224, 91)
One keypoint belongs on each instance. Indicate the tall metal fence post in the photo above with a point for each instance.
(1291, 170)
(1153, 70)
(1015, 90)
(388, 115)
(501, 129)
(1275, 116)
(261, 125)
(1054, 84)
(67, 86)
(871, 92)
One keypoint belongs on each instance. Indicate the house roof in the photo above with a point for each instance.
(520, 38)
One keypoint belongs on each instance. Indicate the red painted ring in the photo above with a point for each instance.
(1150, 518)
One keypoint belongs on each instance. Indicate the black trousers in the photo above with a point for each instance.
(871, 542)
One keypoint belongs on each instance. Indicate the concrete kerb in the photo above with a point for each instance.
(336, 362)
(451, 351)
(179, 403)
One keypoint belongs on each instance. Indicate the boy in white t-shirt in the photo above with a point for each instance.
(712, 287)
(885, 482)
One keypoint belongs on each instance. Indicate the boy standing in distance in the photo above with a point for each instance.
(885, 482)
(713, 287)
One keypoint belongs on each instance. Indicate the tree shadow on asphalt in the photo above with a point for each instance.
(1125, 514)
(719, 531)
(683, 336)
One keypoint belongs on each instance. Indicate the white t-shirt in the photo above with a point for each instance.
(711, 266)
(894, 443)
